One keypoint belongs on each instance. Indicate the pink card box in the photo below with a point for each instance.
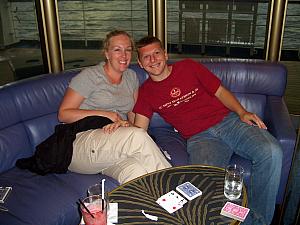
(235, 211)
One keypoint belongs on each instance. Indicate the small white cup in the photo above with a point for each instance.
(233, 182)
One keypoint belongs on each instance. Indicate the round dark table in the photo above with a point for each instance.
(142, 193)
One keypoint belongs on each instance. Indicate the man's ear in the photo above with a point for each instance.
(139, 62)
(166, 55)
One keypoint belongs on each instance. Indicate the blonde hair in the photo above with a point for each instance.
(114, 33)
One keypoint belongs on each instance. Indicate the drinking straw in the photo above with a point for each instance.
(102, 193)
(86, 208)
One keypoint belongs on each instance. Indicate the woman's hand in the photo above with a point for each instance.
(114, 116)
(110, 128)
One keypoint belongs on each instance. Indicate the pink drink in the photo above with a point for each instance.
(100, 217)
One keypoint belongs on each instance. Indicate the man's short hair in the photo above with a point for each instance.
(147, 41)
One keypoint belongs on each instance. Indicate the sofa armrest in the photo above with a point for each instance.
(279, 124)
(171, 142)
(278, 119)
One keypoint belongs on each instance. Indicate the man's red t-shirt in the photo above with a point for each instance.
(186, 98)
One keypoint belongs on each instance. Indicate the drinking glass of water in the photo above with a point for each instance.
(95, 189)
(233, 181)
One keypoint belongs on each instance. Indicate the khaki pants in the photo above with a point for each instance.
(125, 154)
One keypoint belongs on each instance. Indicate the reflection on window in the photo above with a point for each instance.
(85, 23)
(228, 28)
(291, 40)
(290, 55)
(20, 55)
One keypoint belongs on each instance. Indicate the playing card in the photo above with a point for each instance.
(235, 211)
(188, 190)
(171, 201)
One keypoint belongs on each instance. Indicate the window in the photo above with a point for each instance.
(20, 54)
(84, 25)
(227, 28)
(290, 55)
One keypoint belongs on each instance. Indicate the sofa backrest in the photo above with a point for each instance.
(28, 114)
(251, 81)
(28, 108)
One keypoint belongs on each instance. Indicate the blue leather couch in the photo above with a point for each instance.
(28, 114)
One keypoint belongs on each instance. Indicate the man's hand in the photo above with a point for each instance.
(252, 119)
(110, 128)
(231, 102)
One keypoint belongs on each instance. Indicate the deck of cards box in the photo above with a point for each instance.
(188, 190)
(172, 201)
(235, 211)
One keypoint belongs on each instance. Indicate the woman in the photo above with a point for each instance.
(109, 89)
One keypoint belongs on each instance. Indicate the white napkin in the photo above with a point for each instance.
(112, 213)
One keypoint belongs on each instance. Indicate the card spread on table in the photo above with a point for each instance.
(235, 211)
(171, 201)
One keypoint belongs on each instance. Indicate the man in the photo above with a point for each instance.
(214, 123)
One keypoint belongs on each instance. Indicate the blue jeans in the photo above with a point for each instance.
(216, 145)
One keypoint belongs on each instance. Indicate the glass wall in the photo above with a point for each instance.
(84, 25)
(291, 37)
(215, 28)
(20, 53)
(228, 28)
(290, 55)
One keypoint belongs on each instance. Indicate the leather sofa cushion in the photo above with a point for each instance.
(255, 103)
(46, 199)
